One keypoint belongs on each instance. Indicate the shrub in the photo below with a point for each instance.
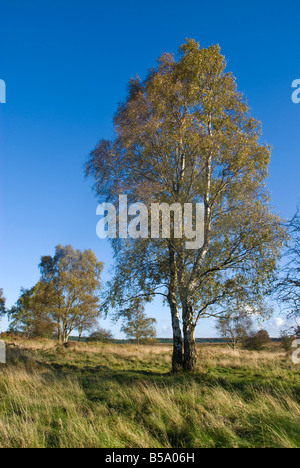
(257, 341)
(100, 335)
(286, 341)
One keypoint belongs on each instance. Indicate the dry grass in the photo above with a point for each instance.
(124, 396)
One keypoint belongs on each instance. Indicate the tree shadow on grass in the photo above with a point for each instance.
(96, 378)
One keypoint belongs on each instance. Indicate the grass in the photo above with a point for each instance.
(124, 396)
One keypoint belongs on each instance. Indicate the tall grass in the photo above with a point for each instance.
(124, 396)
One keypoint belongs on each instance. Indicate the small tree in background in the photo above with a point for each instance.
(286, 340)
(29, 316)
(64, 300)
(288, 286)
(101, 335)
(257, 341)
(86, 322)
(72, 283)
(235, 328)
(138, 326)
(2, 303)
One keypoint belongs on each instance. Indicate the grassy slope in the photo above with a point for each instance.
(123, 396)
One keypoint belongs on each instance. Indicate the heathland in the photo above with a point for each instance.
(122, 395)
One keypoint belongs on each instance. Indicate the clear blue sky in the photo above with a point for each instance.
(66, 65)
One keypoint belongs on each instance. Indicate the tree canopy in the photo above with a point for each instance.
(185, 135)
(64, 300)
(72, 282)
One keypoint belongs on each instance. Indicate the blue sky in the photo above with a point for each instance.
(66, 65)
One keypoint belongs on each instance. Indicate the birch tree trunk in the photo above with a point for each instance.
(65, 334)
(190, 352)
(177, 358)
(59, 334)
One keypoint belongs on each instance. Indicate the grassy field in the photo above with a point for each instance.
(124, 396)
